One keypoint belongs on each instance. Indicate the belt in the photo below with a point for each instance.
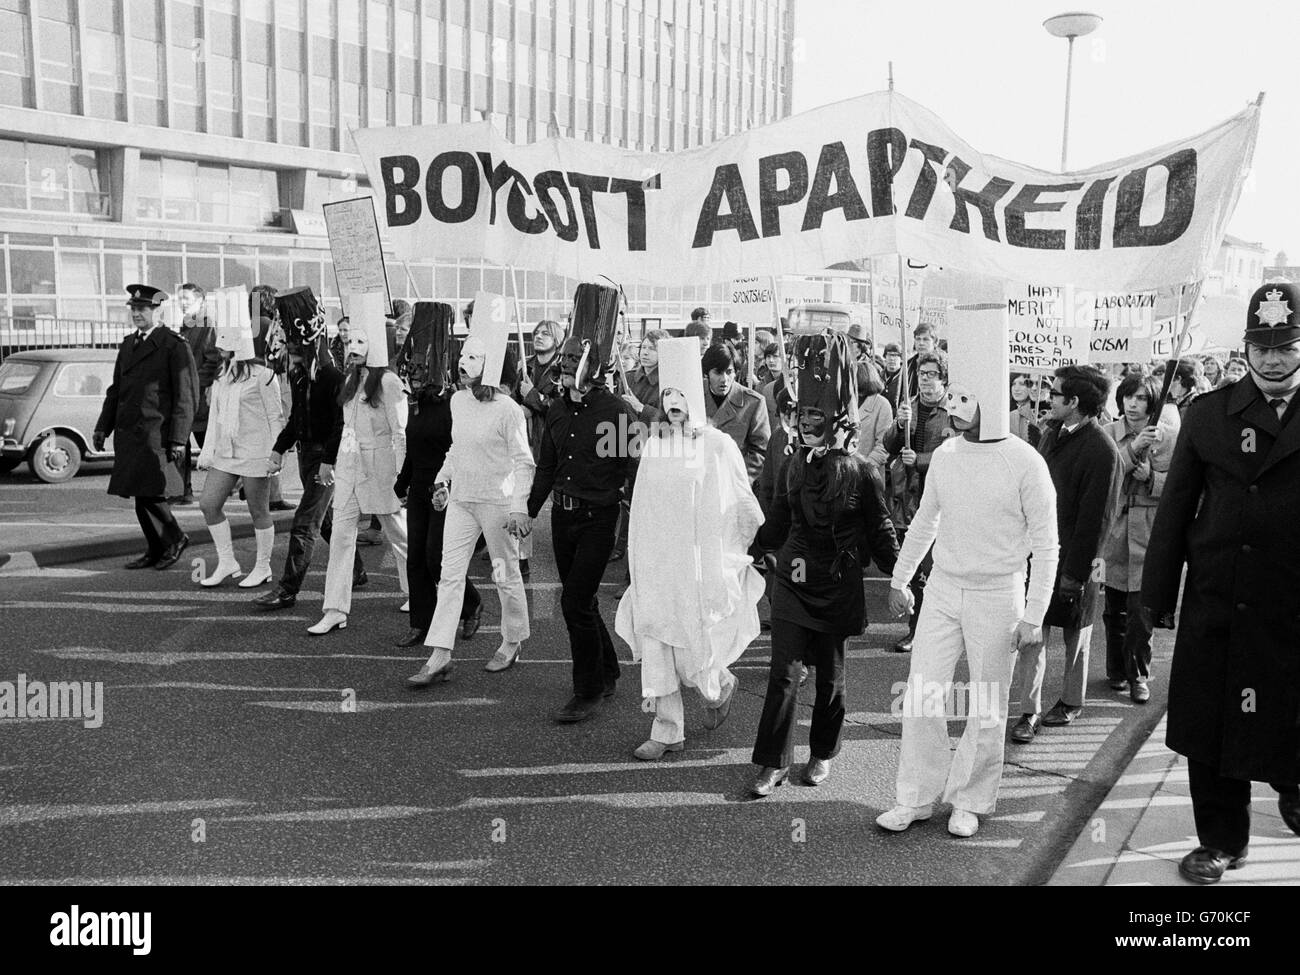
(567, 502)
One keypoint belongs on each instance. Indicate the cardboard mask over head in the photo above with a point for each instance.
(228, 308)
(681, 384)
(588, 353)
(979, 373)
(366, 326)
(424, 361)
(826, 380)
(484, 352)
(301, 317)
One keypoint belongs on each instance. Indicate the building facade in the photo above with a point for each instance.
(195, 140)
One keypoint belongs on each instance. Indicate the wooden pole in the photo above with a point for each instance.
(519, 321)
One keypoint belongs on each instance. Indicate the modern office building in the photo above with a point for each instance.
(195, 140)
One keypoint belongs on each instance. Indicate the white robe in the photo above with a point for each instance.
(692, 606)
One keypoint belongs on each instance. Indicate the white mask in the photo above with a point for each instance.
(358, 344)
(961, 403)
(472, 357)
(675, 399)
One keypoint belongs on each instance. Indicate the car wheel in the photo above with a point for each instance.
(55, 459)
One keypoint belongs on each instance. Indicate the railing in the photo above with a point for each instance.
(23, 333)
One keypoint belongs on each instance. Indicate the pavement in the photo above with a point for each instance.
(235, 748)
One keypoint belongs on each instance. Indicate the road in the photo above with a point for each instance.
(229, 753)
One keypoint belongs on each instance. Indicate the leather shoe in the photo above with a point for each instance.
(360, 579)
(470, 625)
(714, 716)
(652, 751)
(279, 599)
(578, 709)
(525, 570)
(1289, 807)
(1061, 714)
(503, 659)
(962, 822)
(1119, 684)
(768, 780)
(414, 637)
(143, 562)
(1139, 692)
(172, 554)
(610, 688)
(900, 817)
(281, 506)
(816, 771)
(1205, 865)
(617, 555)
(1025, 729)
(424, 677)
(904, 645)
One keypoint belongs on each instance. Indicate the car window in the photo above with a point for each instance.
(17, 377)
(84, 379)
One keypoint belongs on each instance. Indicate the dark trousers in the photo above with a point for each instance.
(158, 524)
(309, 520)
(187, 465)
(918, 587)
(1221, 807)
(583, 539)
(792, 645)
(424, 558)
(1128, 637)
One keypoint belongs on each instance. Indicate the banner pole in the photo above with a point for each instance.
(519, 320)
(902, 328)
(410, 278)
(776, 320)
(1172, 364)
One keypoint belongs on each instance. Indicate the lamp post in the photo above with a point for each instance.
(1070, 26)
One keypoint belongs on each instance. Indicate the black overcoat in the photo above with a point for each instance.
(1231, 512)
(149, 407)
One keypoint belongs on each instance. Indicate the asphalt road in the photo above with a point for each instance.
(229, 753)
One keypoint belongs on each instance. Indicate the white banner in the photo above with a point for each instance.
(872, 175)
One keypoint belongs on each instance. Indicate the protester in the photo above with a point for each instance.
(424, 364)
(371, 451)
(1184, 389)
(643, 383)
(588, 457)
(1228, 513)
(827, 517)
(148, 410)
(1213, 370)
(1234, 371)
(1024, 413)
(919, 428)
(924, 341)
(245, 418)
(763, 371)
(774, 369)
(196, 329)
(314, 429)
(690, 610)
(875, 416)
(266, 333)
(892, 360)
(1085, 469)
(738, 412)
(1145, 450)
(339, 344)
(988, 505)
(539, 385)
(700, 331)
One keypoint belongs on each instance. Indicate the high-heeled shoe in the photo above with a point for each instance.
(426, 675)
(503, 659)
(258, 577)
(413, 638)
(227, 567)
(470, 625)
(223, 571)
(332, 620)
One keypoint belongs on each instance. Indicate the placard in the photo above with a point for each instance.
(359, 267)
(1040, 350)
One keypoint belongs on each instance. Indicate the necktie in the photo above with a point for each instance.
(139, 337)
(1279, 406)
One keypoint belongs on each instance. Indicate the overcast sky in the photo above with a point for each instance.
(1156, 71)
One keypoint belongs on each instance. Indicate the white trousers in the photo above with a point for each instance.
(343, 547)
(670, 710)
(982, 624)
(465, 519)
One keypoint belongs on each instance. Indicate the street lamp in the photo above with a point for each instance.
(1070, 26)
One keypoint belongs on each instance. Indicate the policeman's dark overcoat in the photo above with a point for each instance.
(150, 405)
(1231, 511)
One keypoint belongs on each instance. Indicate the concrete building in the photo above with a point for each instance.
(1238, 268)
(195, 140)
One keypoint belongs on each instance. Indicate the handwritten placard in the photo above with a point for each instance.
(1040, 350)
(358, 255)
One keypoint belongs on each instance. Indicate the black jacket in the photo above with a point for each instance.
(428, 438)
(316, 417)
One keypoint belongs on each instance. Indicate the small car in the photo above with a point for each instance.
(49, 402)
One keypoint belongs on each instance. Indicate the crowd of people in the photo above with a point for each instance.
(1001, 506)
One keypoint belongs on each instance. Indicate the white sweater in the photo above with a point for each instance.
(489, 459)
(986, 507)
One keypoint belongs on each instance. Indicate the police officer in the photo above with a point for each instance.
(150, 407)
(1228, 511)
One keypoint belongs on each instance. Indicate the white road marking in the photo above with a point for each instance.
(40, 813)
(365, 707)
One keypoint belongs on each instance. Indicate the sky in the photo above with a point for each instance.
(1156, 71)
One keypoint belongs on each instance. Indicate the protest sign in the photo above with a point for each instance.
(1121, 327)
(750, 300)
(1039, 350)
(868, 176)
(359, 268)
(884, 297)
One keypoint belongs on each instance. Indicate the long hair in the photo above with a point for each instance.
(373, 391)
(237, 369)
(844, 473)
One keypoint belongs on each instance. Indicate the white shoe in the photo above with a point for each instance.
(332, 620)
(224, 570)
(963, 823)
(259, 576)
(405, 607)
(261, 573)
(901, 817)
(504, 658)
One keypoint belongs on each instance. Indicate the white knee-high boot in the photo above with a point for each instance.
(262, 570)
(227, 567)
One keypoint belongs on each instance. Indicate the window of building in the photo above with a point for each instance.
(15, 56)
(456, 41)
(379, 26)
(32, 271)
(323, 113)
(431, 41)
(223, 89)
(60, 55)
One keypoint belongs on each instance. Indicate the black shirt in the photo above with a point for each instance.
(316, 418)
(588, 449)
(428, 438)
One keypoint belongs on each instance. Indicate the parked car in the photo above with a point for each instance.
(49, 402)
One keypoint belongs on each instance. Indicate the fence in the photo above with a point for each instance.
(22, 333)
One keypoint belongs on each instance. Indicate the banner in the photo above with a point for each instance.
(358, 256)
(869, 176)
